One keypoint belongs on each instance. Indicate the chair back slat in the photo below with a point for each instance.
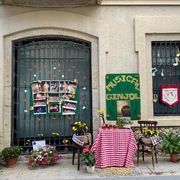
(149, 124)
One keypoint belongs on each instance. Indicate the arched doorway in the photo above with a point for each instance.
(52, 59)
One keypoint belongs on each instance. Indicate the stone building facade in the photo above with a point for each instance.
(120, 32)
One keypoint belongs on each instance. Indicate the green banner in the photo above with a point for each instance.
(122, 96)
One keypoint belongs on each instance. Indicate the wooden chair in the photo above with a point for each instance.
(142, 147)
(78, 148)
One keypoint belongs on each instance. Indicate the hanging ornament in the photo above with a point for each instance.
(69, 117)
(54, 118)
(34, 66)
(30, 69)
(44, 67)
(73, 67)
(59, 65)
(59, 70)
(176, 61)
(153, 71)
(49, 72)
(34, 75)
(84, 107)
(69, 70)
(83, 98)
(54, 67)
(54, 75)
(84, 88)
(24, 82)
(84, 77)
(31, 108)
(162, 72)
(155, 97)
(39, 118)
(25, 111)
(24, 100)
(62, 76)
(25, 91)
(40, 70)
(78, 72)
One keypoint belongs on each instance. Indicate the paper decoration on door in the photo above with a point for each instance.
(54, 97)
(170, 94)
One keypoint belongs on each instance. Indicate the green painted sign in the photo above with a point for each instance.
(122, 96)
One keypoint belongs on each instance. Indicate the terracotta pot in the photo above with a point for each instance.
(11, 161)
(90, 169)
(174, 157)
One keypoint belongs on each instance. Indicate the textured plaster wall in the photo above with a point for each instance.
(120, 37)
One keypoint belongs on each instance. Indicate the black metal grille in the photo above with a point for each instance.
(163, 59)
(49, 58)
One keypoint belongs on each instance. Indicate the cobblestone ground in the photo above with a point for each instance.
(64, 169)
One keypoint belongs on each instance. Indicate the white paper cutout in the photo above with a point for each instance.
(162, 72)
(176, 61)
(153, 71)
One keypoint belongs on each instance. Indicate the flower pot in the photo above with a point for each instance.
(174, 157)
(90, 169)
(11, 161)
(66, 149)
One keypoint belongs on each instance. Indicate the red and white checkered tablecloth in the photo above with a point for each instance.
(114, 147)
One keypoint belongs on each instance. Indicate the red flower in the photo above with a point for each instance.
(85, 150)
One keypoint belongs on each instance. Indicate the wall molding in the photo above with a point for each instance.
(140, 2)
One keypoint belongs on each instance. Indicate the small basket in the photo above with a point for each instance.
(146, 140)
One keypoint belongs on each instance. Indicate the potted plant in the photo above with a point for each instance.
(171, 145)
(11, 154)
(122, 122)
(79, 128)
(88, 157)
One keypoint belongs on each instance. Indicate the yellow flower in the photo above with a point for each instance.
(101, 111)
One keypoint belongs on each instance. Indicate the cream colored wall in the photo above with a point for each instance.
(120, 37)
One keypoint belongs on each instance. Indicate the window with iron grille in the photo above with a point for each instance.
(165, 70)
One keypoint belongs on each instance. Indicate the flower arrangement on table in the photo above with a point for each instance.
(101, 114)
(79, 128)
(147, 135)
(43, 156)
(88, 157)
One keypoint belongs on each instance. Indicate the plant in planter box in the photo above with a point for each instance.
(11, 154)
(43, 156)
(171, 145)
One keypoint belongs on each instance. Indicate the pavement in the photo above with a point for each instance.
(63, 169)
